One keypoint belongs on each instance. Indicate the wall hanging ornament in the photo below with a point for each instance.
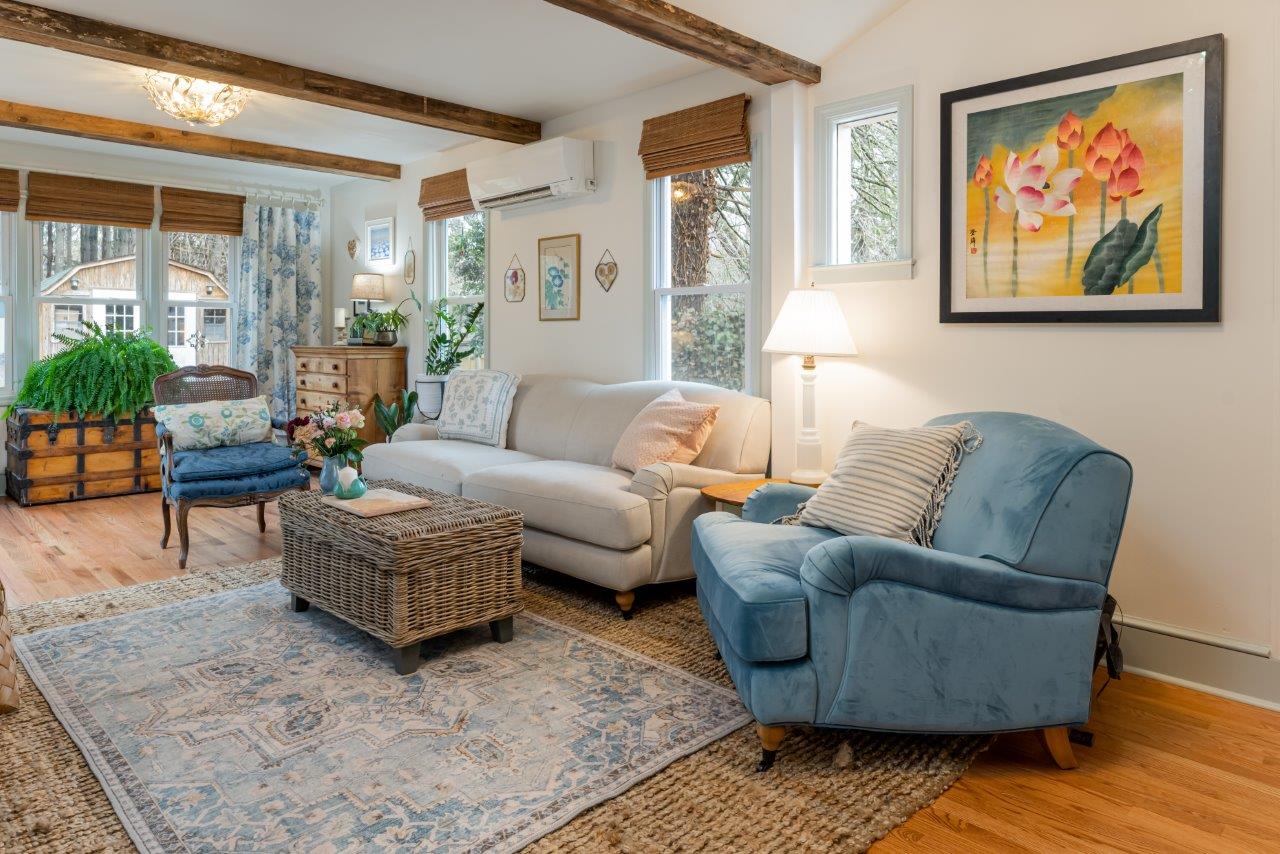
(513, 281)
(410, 264)
(606, 270)
(353, 247)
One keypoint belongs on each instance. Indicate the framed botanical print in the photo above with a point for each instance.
(559, 277)
(1088, 193)
(380, 240)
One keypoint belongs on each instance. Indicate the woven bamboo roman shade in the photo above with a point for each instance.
(9, 191)
(197, 210)
(444, 196)
(70, 198)
(714, 134)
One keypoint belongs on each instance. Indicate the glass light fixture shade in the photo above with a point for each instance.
(368, 286)
(811, 323)
(194, 101)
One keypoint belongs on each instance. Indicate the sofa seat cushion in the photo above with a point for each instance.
(749, 576)
(441, 464)
(228, 461)
(227, 487)
(578, 500)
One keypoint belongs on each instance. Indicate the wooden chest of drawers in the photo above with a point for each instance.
(352, 375)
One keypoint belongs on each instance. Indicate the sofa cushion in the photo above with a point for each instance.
(290, 478)
(477, 406)
(248, 460)
(441, 464)
(749, 576)
(585, 502)
(216, 422)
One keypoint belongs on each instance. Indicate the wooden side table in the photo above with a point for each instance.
(735, 494)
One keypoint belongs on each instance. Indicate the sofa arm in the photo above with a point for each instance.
(415, 433)
(840, 566)
(775, 500)
(661, 479)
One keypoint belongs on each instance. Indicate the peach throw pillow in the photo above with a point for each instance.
(668, 430)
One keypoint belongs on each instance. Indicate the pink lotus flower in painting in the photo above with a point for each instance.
(1103, 151)
(1070, 132)
(1034, 191)
(1124, 180)
(983, 173)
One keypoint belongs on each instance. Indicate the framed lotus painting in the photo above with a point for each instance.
(559, 279)
(1089, 193)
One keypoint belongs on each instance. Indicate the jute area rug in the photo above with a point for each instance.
(711, 800)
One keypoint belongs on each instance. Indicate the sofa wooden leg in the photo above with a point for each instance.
(168, 526)
(625, 600)
(1057, 741)
(262, 517)
(184, 539)
(770, 741)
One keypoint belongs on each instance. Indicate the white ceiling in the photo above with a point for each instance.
(523, 57)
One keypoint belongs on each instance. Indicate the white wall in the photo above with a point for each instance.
(1194, 407)
(607, 344)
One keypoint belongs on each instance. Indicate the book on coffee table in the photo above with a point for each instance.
(377, 502)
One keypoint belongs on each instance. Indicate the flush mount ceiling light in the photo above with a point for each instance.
(194, 101)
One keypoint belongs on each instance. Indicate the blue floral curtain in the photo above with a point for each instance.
(278, 303)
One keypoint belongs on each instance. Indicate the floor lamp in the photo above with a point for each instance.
(810, 324)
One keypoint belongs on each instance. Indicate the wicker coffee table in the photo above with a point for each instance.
(406, 576)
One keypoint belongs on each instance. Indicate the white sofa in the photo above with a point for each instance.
(582, 516)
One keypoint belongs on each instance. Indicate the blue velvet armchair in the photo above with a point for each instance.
(229, 476)
(991, 630)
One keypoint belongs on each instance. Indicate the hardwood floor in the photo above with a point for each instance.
(1171, 769)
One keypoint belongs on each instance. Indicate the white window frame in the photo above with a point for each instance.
(170, 330)
(657, 316)
(140, 240)
(131, 318)
(437, 284)
(162, 294)
(8, 308)
(830, 218)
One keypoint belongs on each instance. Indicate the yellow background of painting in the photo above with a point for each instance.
(1153, 116)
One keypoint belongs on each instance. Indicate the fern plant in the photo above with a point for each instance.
(98, 371)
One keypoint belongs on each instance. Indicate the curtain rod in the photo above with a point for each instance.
(262, 194)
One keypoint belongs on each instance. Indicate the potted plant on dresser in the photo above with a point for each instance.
(452, 343)
(80, 426)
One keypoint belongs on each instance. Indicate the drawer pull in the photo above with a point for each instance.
(335, 367)
(335, 385)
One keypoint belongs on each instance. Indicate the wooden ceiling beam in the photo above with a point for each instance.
(693, 35)
(37, 25)
(189, 142)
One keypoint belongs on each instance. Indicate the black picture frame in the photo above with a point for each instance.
(1210, 310)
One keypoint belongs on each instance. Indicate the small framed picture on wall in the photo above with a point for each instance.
(380, 240)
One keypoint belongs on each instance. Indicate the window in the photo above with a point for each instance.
(704, 277)
(84, 273)
(198, 296)
(176, 328)
(119, 317)
(460, 267)
(862, 222)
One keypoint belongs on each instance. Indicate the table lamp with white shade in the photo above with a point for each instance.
(810, 324)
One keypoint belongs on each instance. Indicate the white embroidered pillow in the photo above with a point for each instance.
(891, 483)
(669, 430)
(216, 422)
(477, 406)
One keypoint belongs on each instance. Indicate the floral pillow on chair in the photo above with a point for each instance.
(216, 423)
(477, 406)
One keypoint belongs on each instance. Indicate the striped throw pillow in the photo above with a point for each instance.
(891, 483)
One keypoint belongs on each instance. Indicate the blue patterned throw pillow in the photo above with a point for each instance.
(477, 406)
(215, 423)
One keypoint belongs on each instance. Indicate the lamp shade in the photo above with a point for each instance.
(811, 324)
(367, 286)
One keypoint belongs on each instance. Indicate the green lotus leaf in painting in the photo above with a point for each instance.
(1120, 254)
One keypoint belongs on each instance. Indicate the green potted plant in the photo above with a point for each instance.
(392, 416)
(388, 324)
(446, 349)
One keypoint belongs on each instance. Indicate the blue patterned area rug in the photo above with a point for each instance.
(229, 722)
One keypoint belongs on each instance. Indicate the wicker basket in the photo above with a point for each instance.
(8, 662)
(406, 576)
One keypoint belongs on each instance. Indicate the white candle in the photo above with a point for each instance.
(339, 317)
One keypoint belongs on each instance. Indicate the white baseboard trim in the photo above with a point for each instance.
(1213, 668)
(1259, 649)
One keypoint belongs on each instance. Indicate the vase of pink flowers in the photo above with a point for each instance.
(332, 434)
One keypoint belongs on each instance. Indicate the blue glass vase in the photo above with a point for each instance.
(329, 474)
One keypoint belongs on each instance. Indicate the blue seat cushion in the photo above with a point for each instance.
(290, 478)
(749, 577)
(230, 461)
